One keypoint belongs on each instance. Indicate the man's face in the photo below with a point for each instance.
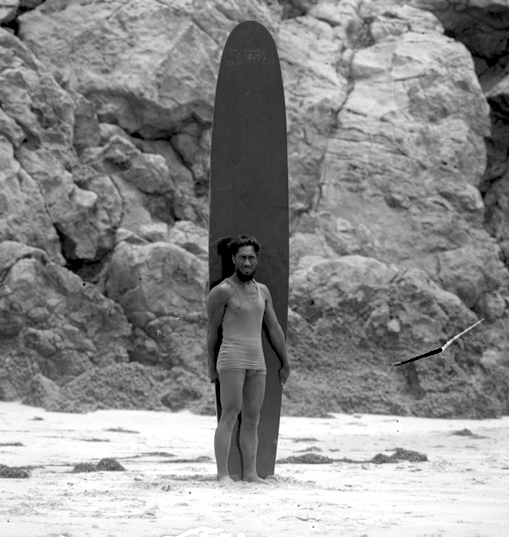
(245, 261)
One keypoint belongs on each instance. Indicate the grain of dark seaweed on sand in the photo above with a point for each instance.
(83, 467)
(8, 472)
(121, 430)
(400, 454)
(110, 465)
(104, 465)
(463, 432)
(200, 458)
(164, 454)
(156, 454)
(468, 433)
(310, 449)
(306, 458)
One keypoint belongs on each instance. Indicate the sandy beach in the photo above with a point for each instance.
(168, 487)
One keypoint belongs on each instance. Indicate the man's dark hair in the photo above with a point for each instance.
(242, 240)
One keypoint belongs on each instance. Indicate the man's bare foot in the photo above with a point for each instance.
(255, 479)
(226, 479)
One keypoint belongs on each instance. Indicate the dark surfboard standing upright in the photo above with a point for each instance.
(249, 195)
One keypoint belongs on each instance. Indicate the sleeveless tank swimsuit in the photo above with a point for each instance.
(241, 347)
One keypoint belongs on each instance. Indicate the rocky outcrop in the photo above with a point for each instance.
(52, 323)
(402, 157)
(406, 154)
(398, 212)
(483, 28)
(162, 289)
(355, 316)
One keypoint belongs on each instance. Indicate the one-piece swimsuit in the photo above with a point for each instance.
(241, 347)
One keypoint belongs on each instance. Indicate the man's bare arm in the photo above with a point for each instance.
(276, 336)
(216, 304)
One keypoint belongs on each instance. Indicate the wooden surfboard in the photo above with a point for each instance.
(249, 195)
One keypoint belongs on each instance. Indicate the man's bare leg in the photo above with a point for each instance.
(231, 383)
(253, 394)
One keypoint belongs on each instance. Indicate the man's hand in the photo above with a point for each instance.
(213, 375)
(284, 373)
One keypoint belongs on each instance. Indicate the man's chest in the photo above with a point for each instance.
(250, 303)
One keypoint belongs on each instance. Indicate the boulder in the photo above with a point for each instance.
(71, 209)
(8, 10)
(162, 58)
(51, 322)
(43, 392)
(156, 280)
(147, 172)
(325, 235)
(23, 214)
(352, 317)
(497, 199)
(86, 130)
(481, 25)
(142, 180)
(315, 77)
(42, 169)
(371, 295)
(190, 237)
(189, 202)
(398, 156)
(408, 162)
(30, 4)
(31, 96)
(495, 185)
(162, 289)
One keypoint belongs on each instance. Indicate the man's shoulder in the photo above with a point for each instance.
(263, 288)
(223, 289)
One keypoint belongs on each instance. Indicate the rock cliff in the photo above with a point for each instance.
(399, 201)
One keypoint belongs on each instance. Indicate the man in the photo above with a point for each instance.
(239, 306)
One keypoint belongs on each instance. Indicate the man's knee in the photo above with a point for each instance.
(250, 419)
(230, 415)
